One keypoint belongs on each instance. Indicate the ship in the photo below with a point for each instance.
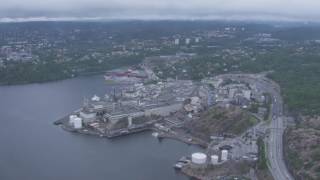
(127, 76)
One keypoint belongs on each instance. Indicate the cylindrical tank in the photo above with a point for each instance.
(71, 119)
(224, 155)
(77, 123)
(199, 158)
(214, 159)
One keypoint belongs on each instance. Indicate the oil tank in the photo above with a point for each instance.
(71, 119)
(199, 158)
(77, 123)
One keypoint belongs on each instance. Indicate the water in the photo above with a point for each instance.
(32, 148)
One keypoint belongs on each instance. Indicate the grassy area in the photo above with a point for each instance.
(263, 160)
(262, 170)
(264, 175)
(220, 121)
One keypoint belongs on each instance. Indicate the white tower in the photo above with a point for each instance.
(224, 155)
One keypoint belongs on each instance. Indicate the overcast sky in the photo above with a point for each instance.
(306, 10)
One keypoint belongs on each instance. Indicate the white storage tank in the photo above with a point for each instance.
(71, 119)
(199, 158)
(77, 123)
(224, 155)
(214, 159)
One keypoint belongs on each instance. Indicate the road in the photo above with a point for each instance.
(277, 166)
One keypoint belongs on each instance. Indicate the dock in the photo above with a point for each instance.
(65, 125)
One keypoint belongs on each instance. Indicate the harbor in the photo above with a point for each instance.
(67, 155)
(186, 111)
(135, 108)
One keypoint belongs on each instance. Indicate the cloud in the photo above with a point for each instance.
(160, 9)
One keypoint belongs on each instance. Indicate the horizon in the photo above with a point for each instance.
(107, 20)
(84, 10)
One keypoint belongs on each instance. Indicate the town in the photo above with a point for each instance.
(211, 84)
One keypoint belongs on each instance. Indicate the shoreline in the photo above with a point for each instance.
(63, 124)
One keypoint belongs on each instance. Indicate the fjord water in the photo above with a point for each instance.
(32, 148)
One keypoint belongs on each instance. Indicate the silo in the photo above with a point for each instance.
(214, 159)
(224, 155)
(71, 119)
(199, 158)
(77, 123)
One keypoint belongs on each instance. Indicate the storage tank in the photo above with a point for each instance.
(77, 123)
(199, 158)
(214, 159)
(224, 155)
(71, 119)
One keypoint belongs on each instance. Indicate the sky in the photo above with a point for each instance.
(287, 10)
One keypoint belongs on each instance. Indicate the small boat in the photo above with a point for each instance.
(179, 165)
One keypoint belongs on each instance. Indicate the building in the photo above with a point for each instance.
(176, 41)
(197, 40)
(163, 110)
(87, 116)
(187, 41)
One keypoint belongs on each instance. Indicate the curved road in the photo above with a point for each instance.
(277, 166)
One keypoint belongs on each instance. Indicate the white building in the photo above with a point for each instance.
(247, 94)
(214, 159)
(224, 155)
(163, 110)
(87, 117)
(197, 39)
(188, 40)
(177, 41)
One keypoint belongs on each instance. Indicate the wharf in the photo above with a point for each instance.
(64, 124)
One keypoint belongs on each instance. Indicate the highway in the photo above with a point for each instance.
(274, 142)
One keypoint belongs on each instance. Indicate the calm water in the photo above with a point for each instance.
(32, 148)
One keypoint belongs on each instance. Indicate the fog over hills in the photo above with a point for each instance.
(283, 10)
